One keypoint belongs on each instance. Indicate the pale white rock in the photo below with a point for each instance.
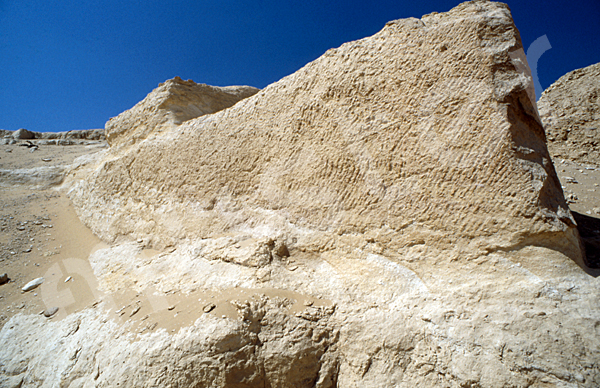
(37, 177)
(33, 284)
(407, 175)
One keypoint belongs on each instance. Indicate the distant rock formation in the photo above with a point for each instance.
(399, 184)
(64, 138)
(172, 103)
(570, 111)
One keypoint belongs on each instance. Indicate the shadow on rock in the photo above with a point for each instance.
(589, 230)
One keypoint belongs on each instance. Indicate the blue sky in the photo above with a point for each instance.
(74, 64)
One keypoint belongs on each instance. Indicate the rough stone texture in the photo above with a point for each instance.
(23, 134)
(527, 318)
(37, 177)
(422, 134)
(407, 178)
(172, 103)
(214, 352)
(84, 134)
(570, 111)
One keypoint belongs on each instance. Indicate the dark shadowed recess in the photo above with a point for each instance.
(589, 230)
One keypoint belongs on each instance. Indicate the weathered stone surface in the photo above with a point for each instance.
(23, 134)
(84, 134)
(570, 111)
(172, 103)
(407, 177)
(422, 134)
(33, 284)
(37, 177)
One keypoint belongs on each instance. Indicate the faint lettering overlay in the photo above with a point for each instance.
(534, 52)
(71, 285)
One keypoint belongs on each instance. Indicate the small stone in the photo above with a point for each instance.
(27, 250)
(67, 279)
(20, 228)
(209, 307)
(572, 180)
(4, 278)
(308, 302)
(170, 308)
(50, 312)
(33, 284)
(46, 159)
(135, 310)
(292, 267)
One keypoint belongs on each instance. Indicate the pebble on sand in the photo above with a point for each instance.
(33, 284)
(50, 312)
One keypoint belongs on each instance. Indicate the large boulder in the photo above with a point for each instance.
(425, 133)
(23, 134)
(172, 103)
(570, 111)
(386, 216)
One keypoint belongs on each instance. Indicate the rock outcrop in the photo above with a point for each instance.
(570, 111)
(388, 215)
(424, 134)
(59, 138)
(172, 103)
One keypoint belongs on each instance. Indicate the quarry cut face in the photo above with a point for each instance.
(387, 216)
(423, 133)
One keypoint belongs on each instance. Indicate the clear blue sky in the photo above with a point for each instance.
(74, 64)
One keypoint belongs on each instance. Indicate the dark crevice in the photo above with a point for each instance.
(589, 230)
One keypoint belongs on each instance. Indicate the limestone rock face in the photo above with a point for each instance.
(421, 134)
(387, 216)
(172, 103)
(570, 111)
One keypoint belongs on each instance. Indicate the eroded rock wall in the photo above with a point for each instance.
(570, 111)
(399, 184)
(423, 133)
(172, 103)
